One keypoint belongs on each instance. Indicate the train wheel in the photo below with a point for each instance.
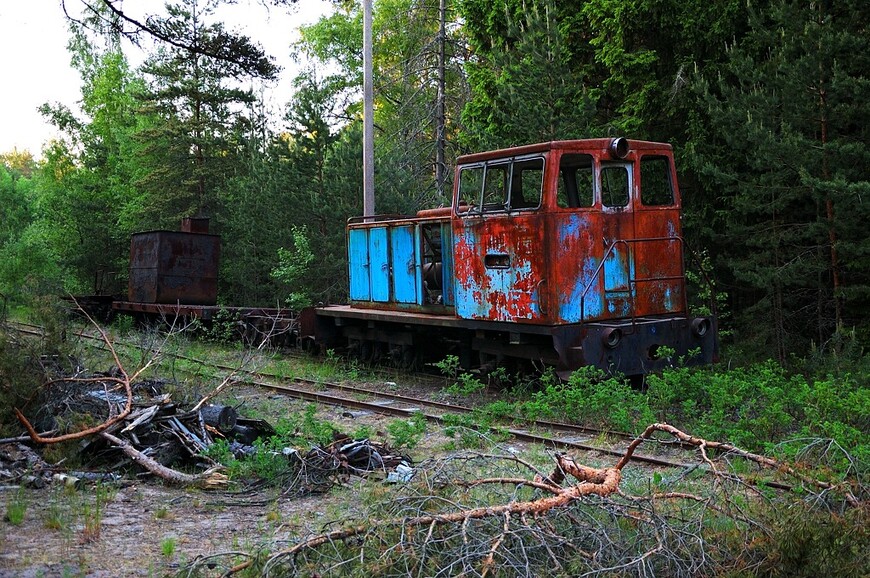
(366, 351)
(378, 352)
(354, 349)
(410, 358)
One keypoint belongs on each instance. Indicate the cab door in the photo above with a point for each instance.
(615, 185)
(659, 249)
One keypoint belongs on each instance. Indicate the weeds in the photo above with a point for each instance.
(407, 433)
(269, 461)
(16, 508)
(92, 513)
(466, 385)
(167, 546)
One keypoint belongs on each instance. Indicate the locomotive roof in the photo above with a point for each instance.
(579, 145)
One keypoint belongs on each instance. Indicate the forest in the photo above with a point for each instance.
(767, 106)
(765, 103)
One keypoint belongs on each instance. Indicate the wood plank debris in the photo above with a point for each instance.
(159, 436)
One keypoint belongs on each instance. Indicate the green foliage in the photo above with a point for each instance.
(269, 462)
(167, 546)
(293, 265)
(465, 428)
(449, 366)
(196, 111)
(26, 364)
(223, 327)
(314, 429)
(759, 406)
(591, 397)
(16, 508)
(531, 78)
(93, 511)
(467, 384)
(782, 168)
(407, 433)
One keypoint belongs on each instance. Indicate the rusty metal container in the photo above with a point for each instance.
(174, 267)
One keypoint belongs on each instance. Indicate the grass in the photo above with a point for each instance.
(16, 508)
(167, 546)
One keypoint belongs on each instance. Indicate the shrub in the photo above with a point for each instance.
(407, 433)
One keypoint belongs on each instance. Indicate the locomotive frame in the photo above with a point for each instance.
(566, 253)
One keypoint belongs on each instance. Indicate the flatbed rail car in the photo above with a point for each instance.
(174, 278)
(566, 253)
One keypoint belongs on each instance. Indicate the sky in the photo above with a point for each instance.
(35, 65)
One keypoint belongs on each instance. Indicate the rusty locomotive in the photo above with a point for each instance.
(566, 253)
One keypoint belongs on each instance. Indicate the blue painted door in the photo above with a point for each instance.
(447, 295)
(379, 264)
(358, 257)
(406, 281)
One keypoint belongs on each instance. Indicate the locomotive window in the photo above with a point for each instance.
(655, 182)
(470, 185)
(576, 186)
(501, 185)
(614, 185)
(526, 183)
(495, 188)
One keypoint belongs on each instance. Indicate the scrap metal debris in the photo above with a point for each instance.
(158, 435)
(324, 466)
(20, 465)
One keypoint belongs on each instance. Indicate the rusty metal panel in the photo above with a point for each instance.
(174, 267)
(577, 255)
(659, 260)
(500, 267)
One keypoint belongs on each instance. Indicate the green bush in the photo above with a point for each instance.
(808, 543)
(759, 406)
(407, 433)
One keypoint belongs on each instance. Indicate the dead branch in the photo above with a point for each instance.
(228, 380)
(211, 478)
(601, 482)
(763, 461)
(124, 380)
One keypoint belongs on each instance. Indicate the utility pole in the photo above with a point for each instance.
(368, 118)
(441, 120)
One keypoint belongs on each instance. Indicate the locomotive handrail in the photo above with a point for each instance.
(363, 221)
(633, 281)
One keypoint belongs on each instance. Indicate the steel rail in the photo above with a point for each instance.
(519, 434)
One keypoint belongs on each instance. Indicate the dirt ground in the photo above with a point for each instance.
(137, 525)
(149, 529)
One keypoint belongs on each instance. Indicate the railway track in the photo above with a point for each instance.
(560, 435)
(394, 404)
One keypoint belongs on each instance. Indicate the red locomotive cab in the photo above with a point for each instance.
(616, 226)
(581, 238)
(576, 231)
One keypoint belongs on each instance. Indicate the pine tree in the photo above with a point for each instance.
(782, 145)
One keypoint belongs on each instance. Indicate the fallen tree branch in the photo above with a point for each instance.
(763, 461)
(602, 482)
(124, 380)
(211, 478)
